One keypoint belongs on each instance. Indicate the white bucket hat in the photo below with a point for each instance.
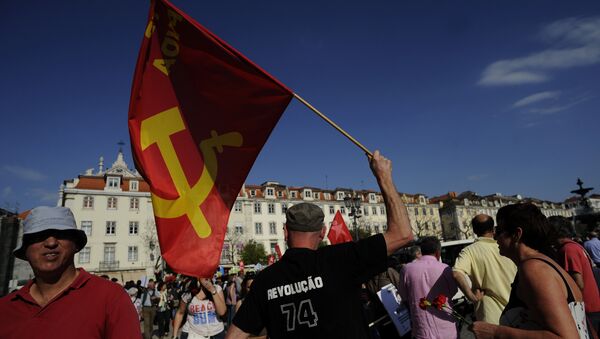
(49, 218)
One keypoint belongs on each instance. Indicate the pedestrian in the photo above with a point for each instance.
(573, 258)
(63, 301)
(592, 246)
(150, 298)
(205, 305)
(135, 300)
(313, 292)
(545, 301)
(427, 277)
(231, 296)
(490, 273)
(163, 316)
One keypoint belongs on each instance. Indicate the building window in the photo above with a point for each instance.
(238, 206)
(416, 211)
(376, 227)
(133, 185)
(88, 202)
(271, 208)
(113, 182)
(307, 194)
(272, 228)
(331, 209)
(252, 193)
(257, 208)
(279, 194)
(384, 227)
(374, 210)
(239, 229)
(381, 210)
(366, 210)
(342, 210)
(133, 227)
(258, 228)
(86, 226)
(109, 253)
(132, 253)
(340, 196)
(327, 196)
(84, 255)
(316, 195)
(111, 227)
(283, 208)
(293, 194)
(111, 203)
(270, 192)
(134, 203)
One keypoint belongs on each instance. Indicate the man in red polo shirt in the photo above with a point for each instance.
(573, 258)
(62, 301)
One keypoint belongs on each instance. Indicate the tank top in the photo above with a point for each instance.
(517, 315)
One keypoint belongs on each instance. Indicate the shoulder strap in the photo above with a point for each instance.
(570, 297)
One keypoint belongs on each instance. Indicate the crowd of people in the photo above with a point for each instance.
(526, 276)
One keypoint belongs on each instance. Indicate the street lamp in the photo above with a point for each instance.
(353, 203)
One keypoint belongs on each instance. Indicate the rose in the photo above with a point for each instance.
(423, 303)
(440, 301)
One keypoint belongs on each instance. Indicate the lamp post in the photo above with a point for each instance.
(353, 203)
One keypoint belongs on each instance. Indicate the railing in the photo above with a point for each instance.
(108, 265)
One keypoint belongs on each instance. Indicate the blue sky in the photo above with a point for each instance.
(461, 95)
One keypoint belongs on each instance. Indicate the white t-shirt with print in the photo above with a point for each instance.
(202, 317)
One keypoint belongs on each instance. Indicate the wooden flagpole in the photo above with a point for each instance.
(334, 125)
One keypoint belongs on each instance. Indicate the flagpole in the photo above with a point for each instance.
(334, 125)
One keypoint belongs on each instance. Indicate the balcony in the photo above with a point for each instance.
(108, 266)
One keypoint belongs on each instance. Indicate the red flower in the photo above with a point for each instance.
(440, 301)
(423, 303)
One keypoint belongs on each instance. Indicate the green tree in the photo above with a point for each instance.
(254, 253)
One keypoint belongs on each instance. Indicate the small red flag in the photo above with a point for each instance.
(338, 232)
(199, 114)
(278, 251)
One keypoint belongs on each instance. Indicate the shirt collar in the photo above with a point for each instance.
(485, 239)
(80, 280)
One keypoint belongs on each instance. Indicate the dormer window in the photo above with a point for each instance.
(133, 185)
(372, 197)
(340, 195)
(113, 182)
(293, 194)
(270, 192)
(279, 194)
(252, 193)
(307, 194)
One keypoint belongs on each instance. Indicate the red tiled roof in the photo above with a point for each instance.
(98, 183)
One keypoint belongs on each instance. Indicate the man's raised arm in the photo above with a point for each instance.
(399, 233)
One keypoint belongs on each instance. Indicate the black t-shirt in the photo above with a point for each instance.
(313, 294)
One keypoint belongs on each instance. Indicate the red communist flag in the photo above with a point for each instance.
(338, 232)
(199, 114)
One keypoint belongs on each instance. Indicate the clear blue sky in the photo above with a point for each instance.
(461, 95)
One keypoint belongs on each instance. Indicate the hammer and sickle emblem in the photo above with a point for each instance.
(158, 130)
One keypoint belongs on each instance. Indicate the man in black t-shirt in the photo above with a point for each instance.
(314, 293)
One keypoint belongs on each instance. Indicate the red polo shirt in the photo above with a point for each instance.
(91, 307)
(572, 257)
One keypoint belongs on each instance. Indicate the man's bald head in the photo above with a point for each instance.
(482, 224)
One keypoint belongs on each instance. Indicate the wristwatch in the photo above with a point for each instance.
(214, 292)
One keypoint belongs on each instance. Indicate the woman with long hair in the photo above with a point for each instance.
(205, 305)
(545, 302)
